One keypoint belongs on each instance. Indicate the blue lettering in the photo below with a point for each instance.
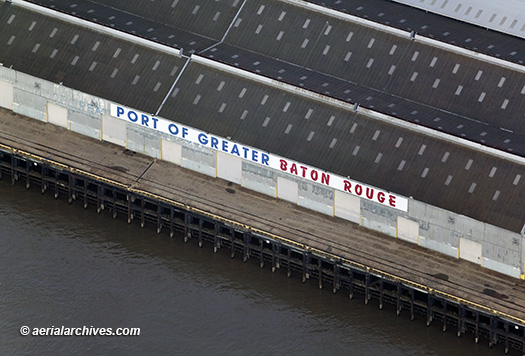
(235, 150)
(145, 120)
(184, 132)
(135, 116)
(245, 152)
(214, 143)
(120, 111)
(265, 158)
(254, 155)
(173, 129)
(203, 139)
(225, 145)
(154, 122)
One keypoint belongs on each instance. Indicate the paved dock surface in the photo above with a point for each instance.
(458, 278)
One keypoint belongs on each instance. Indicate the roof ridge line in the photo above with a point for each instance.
(407, 35)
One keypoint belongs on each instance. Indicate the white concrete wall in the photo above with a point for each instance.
(6, 95)
(347, 206)
(171, 152)
(407, 230)
(229, 167)
(57, 115)
(287, 190)
(113, 130)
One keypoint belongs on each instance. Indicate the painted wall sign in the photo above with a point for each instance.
(257, 156)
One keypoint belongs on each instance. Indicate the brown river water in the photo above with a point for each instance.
(61, 265)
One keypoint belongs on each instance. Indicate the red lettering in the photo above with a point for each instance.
(369, 193)
(381, 197)
(392, 201)
(284, 164)
(304, 171)
(358, 189)
(293, 169)
(325, 178)
(314, 175)
(348, 186)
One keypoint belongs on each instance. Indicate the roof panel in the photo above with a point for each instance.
(245, 109)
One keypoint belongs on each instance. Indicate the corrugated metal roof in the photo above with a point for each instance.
(432, 25)
(305, 129)
(90, 62)
(327, 54)
(506, 16)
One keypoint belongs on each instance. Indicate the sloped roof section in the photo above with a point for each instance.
(287, 120)
(330, 53)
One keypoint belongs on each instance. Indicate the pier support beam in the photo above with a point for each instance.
(274, 262)
(476, 331)
(430, 303)
(85, 191)
(56, 183)
(461, 313)
(232, 243)
(492, 338)
(289, 270)
(261, 255)
(351, 285)
(367, 287)
(246, 247)
(114, 203)
(444, 315)
(506, 327)
(188, 229)
(159, 220)
(172, 213)
(13, 174)
(305, 263)
(320, 272)
(98, 198)
(27, 173)
(201, 222)
(70, 179)
(411, 304)
(128, 197)
(335, 286)
(398, 298)
(381, 294)
(215, 234)
(142, 217)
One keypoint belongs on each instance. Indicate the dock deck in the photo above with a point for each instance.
(459, 280)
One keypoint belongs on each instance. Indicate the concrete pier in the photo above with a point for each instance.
(342, 256)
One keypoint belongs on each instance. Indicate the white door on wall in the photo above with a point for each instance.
(470, 250)
(347, 206)
(407, 230)
(229, 167)
(114, 130)
(56, 115)
(171, 152)
(6, 95)
(287, 190)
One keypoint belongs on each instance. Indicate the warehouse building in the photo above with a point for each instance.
(417, 138)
